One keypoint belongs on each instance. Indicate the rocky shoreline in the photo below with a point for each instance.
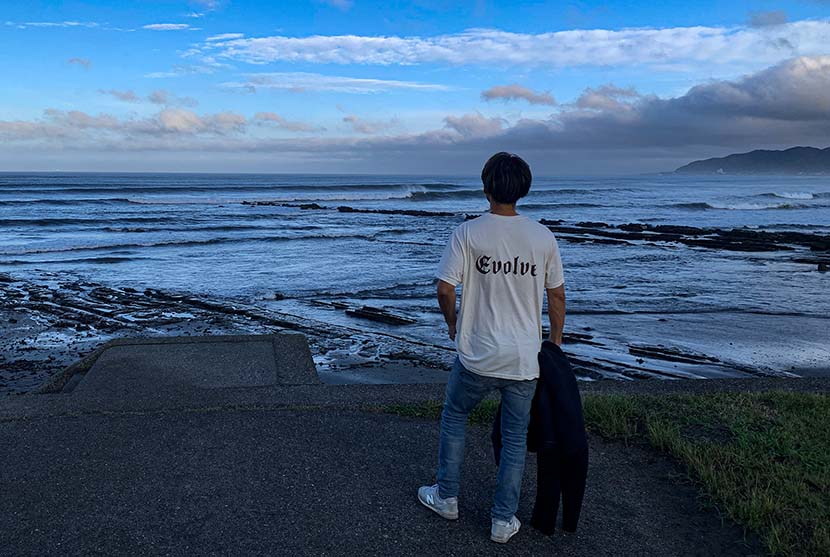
(733, 239)
(51, 321)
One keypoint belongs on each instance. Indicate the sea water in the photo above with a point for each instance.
(193, 233)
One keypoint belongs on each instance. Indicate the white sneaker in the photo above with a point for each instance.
(502, 531)
(446, 508)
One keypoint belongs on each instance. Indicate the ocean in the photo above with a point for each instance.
(201, 233)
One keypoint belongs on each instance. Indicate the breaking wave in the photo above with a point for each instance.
(205, 242)
(797, 195)
(94, 260)
(741, 206)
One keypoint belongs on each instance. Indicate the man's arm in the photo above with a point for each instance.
(446, 300)
(556, 313)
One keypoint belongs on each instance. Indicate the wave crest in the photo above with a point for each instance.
(740, 206)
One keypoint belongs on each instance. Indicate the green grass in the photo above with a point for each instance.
(762, 458)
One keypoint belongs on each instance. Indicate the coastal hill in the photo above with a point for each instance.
(796, 160)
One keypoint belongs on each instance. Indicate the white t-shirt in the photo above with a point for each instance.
(504, 264)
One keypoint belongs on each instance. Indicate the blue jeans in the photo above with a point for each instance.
(465, 390)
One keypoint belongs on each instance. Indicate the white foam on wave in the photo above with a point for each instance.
(794, 195)
(755, 206)
(401, 192)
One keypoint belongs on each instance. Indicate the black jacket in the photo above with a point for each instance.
(557, 435)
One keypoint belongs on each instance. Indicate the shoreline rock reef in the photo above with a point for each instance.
(49, 323)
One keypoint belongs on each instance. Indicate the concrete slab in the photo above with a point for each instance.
(181, 363)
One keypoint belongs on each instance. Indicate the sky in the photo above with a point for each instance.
(422, 87)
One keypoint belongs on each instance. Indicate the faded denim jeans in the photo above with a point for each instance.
(465, 390)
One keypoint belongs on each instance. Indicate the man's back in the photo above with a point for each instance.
(504, 264)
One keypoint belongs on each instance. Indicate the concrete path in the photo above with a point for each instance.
(230, 445)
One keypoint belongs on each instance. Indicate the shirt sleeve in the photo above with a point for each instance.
(451, 267)
(554, 275)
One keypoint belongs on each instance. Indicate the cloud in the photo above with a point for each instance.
(609, 98)
(80, 120)
(474, 125)
(606, 129)
(703, 46)
(272, 118)
(64, 24)
(205, 6)
(184, 121)
(208, 4)
(126, 96)
(182, 69)
(301, 82)
(796, 90)
(76, 124)
(784, 105)
(168, 27)
(370, 127)
(85, 63)
(161, 96)
(26, 24)
(344, 5)
(225, 37)
(766, 19)
(517, 92)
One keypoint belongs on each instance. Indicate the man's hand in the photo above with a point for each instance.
(556, 313)
(446, 300)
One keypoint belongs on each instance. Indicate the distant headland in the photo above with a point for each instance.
(796, 160)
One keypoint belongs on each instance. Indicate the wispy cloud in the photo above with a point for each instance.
(85, 63)
(370, 127)
(599, 47)
(181, 121)
(782, 105)
(23, 25)
(302, 81)
(67, 24)
(166, 98)
(159, 96)
(208, 4)
(169, 27)
(344, 5)
(182, 69)
(125, 96)
(607, 98)
(517, 92)
(274, 119)
(225, 37)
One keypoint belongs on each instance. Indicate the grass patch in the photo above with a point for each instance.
(762, 458)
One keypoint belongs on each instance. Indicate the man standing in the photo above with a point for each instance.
(505, 263)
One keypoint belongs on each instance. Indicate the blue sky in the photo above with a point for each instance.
(427, 86)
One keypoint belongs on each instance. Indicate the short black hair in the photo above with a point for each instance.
(506, 178)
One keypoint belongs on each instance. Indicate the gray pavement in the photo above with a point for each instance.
(230, 445)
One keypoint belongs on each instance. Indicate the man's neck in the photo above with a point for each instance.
(503, 209)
